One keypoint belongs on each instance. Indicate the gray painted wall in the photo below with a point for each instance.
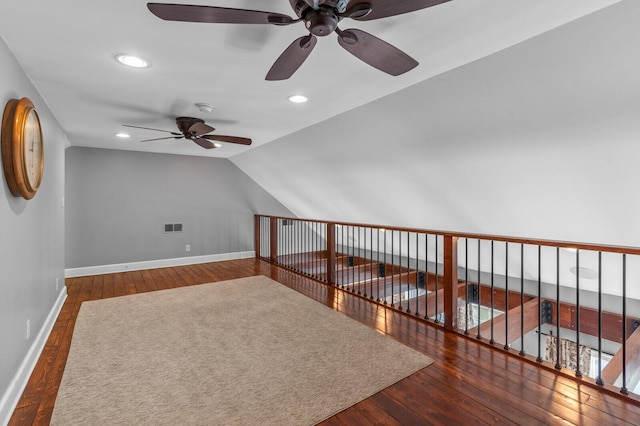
(538, 140)
(118, 201)
(32, 242)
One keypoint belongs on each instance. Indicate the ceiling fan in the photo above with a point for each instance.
(197, 131)
(321, 18)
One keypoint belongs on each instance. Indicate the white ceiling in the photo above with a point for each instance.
(67, 48)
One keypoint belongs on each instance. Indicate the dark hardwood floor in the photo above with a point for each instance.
(469, 383)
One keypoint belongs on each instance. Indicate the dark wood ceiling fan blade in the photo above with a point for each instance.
(204, 143)
(385, 8)
(230, 139)
(216, 15)
(292, 58)
(375, 52)
(149, 128)
(159, 139)
(199, 129)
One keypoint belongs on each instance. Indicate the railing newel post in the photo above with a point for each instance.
(256, 235)
(331, 253)
(450, 282)
(273, 235)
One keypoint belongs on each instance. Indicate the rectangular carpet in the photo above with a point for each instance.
(239, 352)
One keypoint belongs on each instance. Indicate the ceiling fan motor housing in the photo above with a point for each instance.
(323, 20)
(184, 123)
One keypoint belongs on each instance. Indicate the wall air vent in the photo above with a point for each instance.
(172, 227)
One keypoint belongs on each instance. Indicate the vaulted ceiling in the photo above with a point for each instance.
(68, 50)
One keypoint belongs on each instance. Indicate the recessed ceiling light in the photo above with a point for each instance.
(132, 61)
(298, 99)
(123, 135)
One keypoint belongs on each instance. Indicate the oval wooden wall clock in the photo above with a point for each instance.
(22, 148)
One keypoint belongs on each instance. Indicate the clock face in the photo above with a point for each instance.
(22, 148)
(32, 150)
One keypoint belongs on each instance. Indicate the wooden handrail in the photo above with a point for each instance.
(488, 237)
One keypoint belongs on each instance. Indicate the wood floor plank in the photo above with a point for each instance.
(469, 382)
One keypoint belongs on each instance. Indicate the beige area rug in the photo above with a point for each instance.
(241, 352)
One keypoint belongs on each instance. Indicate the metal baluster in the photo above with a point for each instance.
(364, 269)
(385, 267)
(309, 248)
(437, 316)
(318, 237)
(492, 341)
(312, 248)
(322, 235)
(378, 264)
(359, 259)
(371, 263)
(466, 286)
(293, 256)
(479, 287)
(539, 358)
(342, 256)
(408, 272)
(310, 226)
(522, 353)
(289, 243)
(393, 266)
(353, 267)
(279, 247)
(426, 278)
(400, 269)
(506, 290)
(417, 273)
(599, 378)
(578, 372)
(558, 364)
(300, 250)
(624, 389)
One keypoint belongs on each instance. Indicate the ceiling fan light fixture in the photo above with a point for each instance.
(298, 99)
(132, 61)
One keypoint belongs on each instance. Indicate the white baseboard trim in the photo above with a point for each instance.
(13, 393)
(153, 264)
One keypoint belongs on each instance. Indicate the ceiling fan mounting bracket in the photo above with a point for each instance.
(301, 7)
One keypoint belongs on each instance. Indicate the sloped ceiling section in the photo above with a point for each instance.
(69, 48)
(539, 140)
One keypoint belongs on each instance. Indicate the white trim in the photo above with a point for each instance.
(153, 264)
(13, 393)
